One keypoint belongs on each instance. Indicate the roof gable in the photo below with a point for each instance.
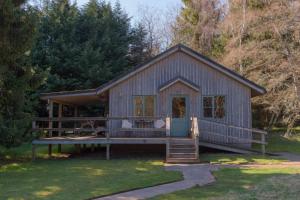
(255, 89)
(180, 80)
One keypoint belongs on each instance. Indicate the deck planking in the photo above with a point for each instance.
(98, 140)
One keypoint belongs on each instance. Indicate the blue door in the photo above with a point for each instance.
(180, 119)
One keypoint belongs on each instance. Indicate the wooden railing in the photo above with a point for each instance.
(262, 134)
(94, 124)
(195, 134)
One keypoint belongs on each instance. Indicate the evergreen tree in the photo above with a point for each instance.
(103, 33)
(139, 50)
(55, 49)
(86, 48)
(17, 76)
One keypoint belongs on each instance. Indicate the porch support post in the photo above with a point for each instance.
(50, 150)
(33, 152)
(59, 125)
(75, 125)
(50, 104)
(50, 112)
(263, 140)
(107, 151)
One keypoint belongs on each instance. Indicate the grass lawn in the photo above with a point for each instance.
(235, 184)
(74, 178)
(278, 143)
(222, 158)
(23, 152)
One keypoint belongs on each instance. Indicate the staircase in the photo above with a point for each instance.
(182, 150)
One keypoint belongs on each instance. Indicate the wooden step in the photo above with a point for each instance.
(182, 141)
(182, 150)
(182, 155)
(182, 160)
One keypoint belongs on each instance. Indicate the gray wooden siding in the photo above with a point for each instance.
(210, 81)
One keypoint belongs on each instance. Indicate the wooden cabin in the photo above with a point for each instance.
(179, 98)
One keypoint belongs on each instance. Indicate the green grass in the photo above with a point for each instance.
(278, 143)
(23, 152)
(283, 129)
(222, 158)
(247, 183)
(74, 178)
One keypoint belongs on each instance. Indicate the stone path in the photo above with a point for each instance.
(194, 174)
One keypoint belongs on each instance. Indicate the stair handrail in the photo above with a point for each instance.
(168, 134)
(195, 134)
(263, 133)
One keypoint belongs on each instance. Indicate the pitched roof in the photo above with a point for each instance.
(256, 89)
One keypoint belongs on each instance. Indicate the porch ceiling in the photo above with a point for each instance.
(78, 97)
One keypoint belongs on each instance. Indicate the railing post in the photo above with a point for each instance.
(107, 127)
(59, 125)
(107, 138)
(263, 145)
(33, 124)
(196, 135)
(50, 125)
(168, 126)
(168, 134)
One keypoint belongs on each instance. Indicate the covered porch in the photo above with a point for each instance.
(68, 124)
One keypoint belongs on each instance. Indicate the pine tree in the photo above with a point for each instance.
(55, 49)
(104, 36)
(17, 76)
(139, 50)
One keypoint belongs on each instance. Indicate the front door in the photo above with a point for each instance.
(180, 122)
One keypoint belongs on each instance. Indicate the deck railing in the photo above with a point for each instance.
(94, 125)
(240, 140)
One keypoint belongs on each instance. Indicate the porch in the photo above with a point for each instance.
(82, 131)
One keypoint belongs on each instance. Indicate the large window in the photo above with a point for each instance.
(144, 105)
(214, 107)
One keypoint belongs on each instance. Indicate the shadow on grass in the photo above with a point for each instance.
(229, 158)
(80, 176)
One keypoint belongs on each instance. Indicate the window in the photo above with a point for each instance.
(178, 107)
(143, 106)
(214, 107)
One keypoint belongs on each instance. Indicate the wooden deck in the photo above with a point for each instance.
(103, 135)
(98, 140)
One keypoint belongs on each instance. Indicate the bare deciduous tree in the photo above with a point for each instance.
(158, 24)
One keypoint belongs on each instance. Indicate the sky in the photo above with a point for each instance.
(131, 6)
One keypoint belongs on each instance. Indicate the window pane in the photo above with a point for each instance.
(219, 106)
(149, 105)
(207, 107)
(138, 106)
(178, 107)
(208, 112)
(207, 102)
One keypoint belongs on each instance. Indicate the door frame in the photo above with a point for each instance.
(187, 103)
